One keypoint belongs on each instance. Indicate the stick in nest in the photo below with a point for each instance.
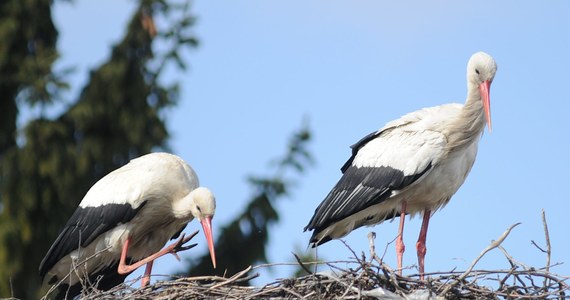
(493, 245)
(302, 264)
(232, 279)
(388, 272)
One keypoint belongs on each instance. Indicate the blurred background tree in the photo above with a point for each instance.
(27, 52)
(118, 115)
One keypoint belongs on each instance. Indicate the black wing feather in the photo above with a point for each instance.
(363, 141)
(84, 226)
(358, 189)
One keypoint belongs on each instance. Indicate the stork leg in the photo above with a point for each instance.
(400, 247)
(146, 278)
(421, 244)
(171, 249)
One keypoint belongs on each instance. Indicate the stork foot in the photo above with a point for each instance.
(173, 249)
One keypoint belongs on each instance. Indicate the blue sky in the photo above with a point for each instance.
(350, 67)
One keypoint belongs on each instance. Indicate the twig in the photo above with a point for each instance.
(11, 288)
(73, 270)
(548, 247)
(290, 291)
(493, 245)
(373, 256)
(388, 272)
(314, 262)
(350, 249)
(232, 279)
(302, 264)
(388, 245)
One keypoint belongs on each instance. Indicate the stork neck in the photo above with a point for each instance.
(182, 208)
(469, 124)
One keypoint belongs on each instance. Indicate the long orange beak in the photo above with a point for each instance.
(207, 226)
(485, 90)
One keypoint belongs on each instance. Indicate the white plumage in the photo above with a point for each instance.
(144, 203)
(413, 164)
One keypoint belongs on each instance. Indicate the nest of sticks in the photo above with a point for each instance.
(365, 278)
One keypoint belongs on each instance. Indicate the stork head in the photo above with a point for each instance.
(203, 207)
(481, 70)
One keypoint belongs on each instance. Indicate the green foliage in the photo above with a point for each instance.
(242, 242)
(117, 116)
(27, 51)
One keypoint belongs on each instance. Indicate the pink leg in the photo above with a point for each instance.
(146, 278)
(171, 249)
(400, 247)
(421, 244)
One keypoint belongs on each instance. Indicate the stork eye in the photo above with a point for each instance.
(477, 71)
(199, 209)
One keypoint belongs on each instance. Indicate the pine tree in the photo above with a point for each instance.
(27, 52)
(118, 115)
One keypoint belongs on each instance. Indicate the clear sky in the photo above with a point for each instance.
(350, 67)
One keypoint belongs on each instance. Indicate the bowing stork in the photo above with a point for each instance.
(123, 222)
(412, 165)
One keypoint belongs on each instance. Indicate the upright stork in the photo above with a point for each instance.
(413, 164)
(124, 220)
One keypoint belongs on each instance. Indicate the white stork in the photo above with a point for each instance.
(412, 164)
(126, 218)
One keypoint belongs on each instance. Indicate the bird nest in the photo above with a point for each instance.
(364, 278)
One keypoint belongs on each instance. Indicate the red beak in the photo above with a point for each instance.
(207, 226)
(485, 90)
